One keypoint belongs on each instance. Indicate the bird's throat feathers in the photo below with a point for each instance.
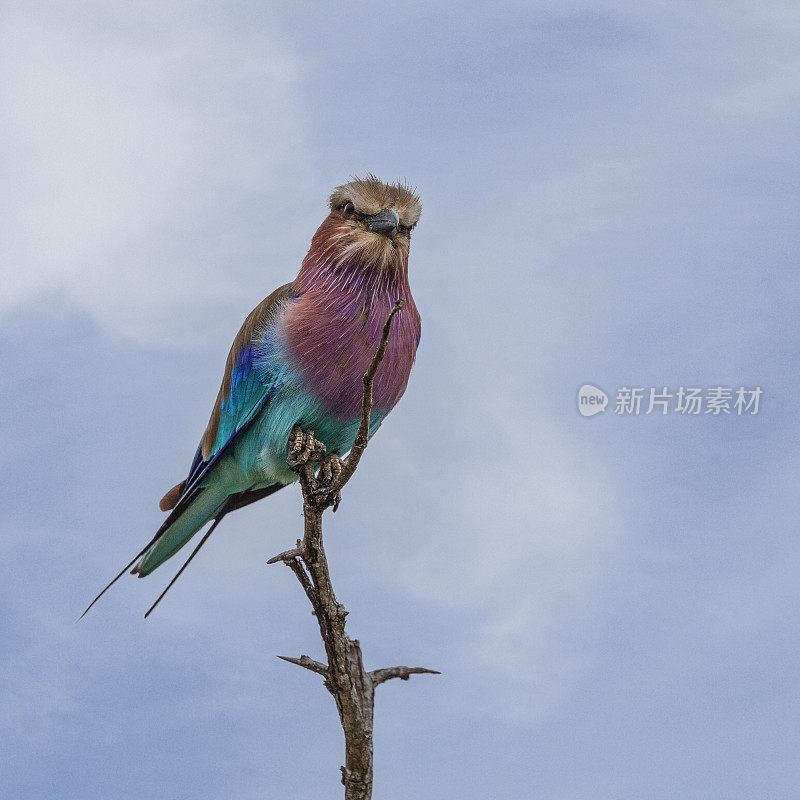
(344, 292)
(341, 252)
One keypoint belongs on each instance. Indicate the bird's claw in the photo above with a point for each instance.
(329, 472)
(330, 469)
(304, 448)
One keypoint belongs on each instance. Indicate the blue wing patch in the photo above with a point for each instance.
(253, 373)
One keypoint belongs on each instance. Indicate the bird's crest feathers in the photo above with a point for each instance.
(371, 195)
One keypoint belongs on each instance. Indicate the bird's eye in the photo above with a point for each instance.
(348, 209)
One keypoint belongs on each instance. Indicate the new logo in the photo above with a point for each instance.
(591, 400)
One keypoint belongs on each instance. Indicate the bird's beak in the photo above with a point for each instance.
(385, 222)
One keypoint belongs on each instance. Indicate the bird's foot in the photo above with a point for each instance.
(329, 472)
(304, 448)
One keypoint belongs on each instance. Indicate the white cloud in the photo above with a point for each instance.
(129, 144)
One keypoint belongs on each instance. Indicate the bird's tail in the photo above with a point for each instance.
(178, 529)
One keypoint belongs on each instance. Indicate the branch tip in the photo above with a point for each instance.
(307, 663)
(286, 556)
(380, 676)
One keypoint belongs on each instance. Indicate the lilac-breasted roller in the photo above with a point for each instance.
(299, 360)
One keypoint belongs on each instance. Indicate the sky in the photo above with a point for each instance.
(610, 197)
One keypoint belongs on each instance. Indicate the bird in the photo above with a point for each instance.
(298, 362)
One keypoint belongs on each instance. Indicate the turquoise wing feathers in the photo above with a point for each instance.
(250, 379)
(251, 375)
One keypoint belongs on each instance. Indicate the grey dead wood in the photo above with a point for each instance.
(352, 686)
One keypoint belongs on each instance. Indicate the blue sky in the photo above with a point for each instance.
(610, 196)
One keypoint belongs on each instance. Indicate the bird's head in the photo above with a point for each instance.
(369, 225)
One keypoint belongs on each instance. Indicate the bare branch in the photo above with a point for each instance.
(308, 663)
(287, 555)
(299, 570)
(380, 676)
(352, 687)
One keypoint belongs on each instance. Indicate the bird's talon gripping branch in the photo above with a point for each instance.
(326, 481)
(330, 469)
(304, 448)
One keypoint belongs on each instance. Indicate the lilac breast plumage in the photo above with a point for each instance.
(331, 332)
